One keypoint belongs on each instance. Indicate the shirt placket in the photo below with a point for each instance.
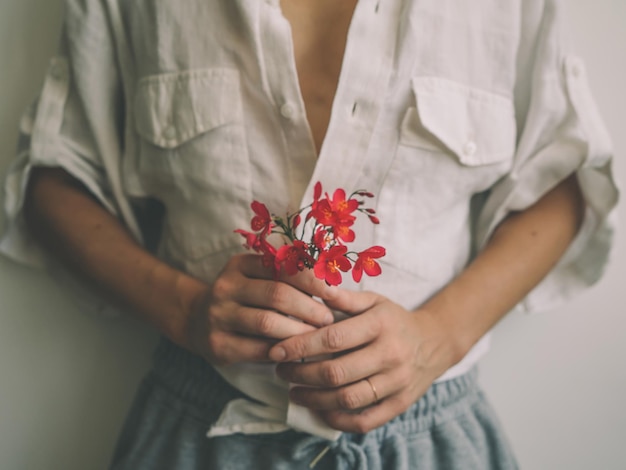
(367, 68)
(299, 153)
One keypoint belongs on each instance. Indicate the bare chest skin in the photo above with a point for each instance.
(319, 30)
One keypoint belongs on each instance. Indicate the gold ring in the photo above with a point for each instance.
(376, 399)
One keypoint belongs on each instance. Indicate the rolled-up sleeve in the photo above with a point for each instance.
(560, 133)
(75, 121)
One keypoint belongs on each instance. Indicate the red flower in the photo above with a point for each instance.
(335, 211)
(344, 232)
(325, 253)
(365, 262)
(323, 212)
(337, 214)
(293, 258)
(269, 254)
(295, 223)
(322, 239)
(317, 191)
(253, 240)
(330, 263)
(262, 221)
(258, 243)
(340, 206)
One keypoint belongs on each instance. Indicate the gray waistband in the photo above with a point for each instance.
(193, 382)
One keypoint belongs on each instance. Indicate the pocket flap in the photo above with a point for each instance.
(477, 126)
(173, 108)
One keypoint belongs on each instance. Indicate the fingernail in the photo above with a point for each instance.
(278, 354)
(328, 319)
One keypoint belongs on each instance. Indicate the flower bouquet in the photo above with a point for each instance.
(325, 251)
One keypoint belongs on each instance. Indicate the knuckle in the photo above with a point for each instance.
(237, 260)
(312, 285)
(377, 323)
(265, 322)
(212, 312)
(403, 381)
(361, 426)
(394, 354)
(215, 347)
(299, 348)
(333, 338)
(276, 293)
(221, 288)
(333, 375)
(349, 399)
(318, 313)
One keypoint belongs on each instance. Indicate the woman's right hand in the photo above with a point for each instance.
(236, 319)
(246, 311)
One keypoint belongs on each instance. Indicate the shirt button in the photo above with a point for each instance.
(169, 133)
(470, 148)
(288, 111)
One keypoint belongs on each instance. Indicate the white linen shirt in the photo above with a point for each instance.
(453, 113)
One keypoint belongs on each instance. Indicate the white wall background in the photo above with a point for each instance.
(558, 380)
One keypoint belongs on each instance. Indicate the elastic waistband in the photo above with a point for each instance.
(441, 402)
(195, 383)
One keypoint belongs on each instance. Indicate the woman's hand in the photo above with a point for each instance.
(385, 359)
(243, 314)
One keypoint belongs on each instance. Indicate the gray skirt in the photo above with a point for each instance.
(451, 427)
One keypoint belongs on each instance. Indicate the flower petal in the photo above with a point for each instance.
(375, 251)
(372, 268)
(317, 191)
(260, 209)
(357, 270)
(319, 269)
(343, 263)
(333, 278)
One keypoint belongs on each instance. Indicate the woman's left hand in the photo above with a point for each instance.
(384, 358)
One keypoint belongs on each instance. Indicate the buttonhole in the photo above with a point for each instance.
(377, 6)
(354, 108)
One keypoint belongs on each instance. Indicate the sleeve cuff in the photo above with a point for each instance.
(582, 147)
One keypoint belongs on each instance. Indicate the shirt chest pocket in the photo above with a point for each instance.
(193, 157)
(192, 137)
(455, 142)
(474, 126)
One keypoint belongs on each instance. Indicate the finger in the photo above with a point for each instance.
(252, 266)
(286, 299)
(226, 349)
(349, 398)
(348, 334)
(352, 302)
(265, 323)
(369, 418)
(342, 370)
(305, 281)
